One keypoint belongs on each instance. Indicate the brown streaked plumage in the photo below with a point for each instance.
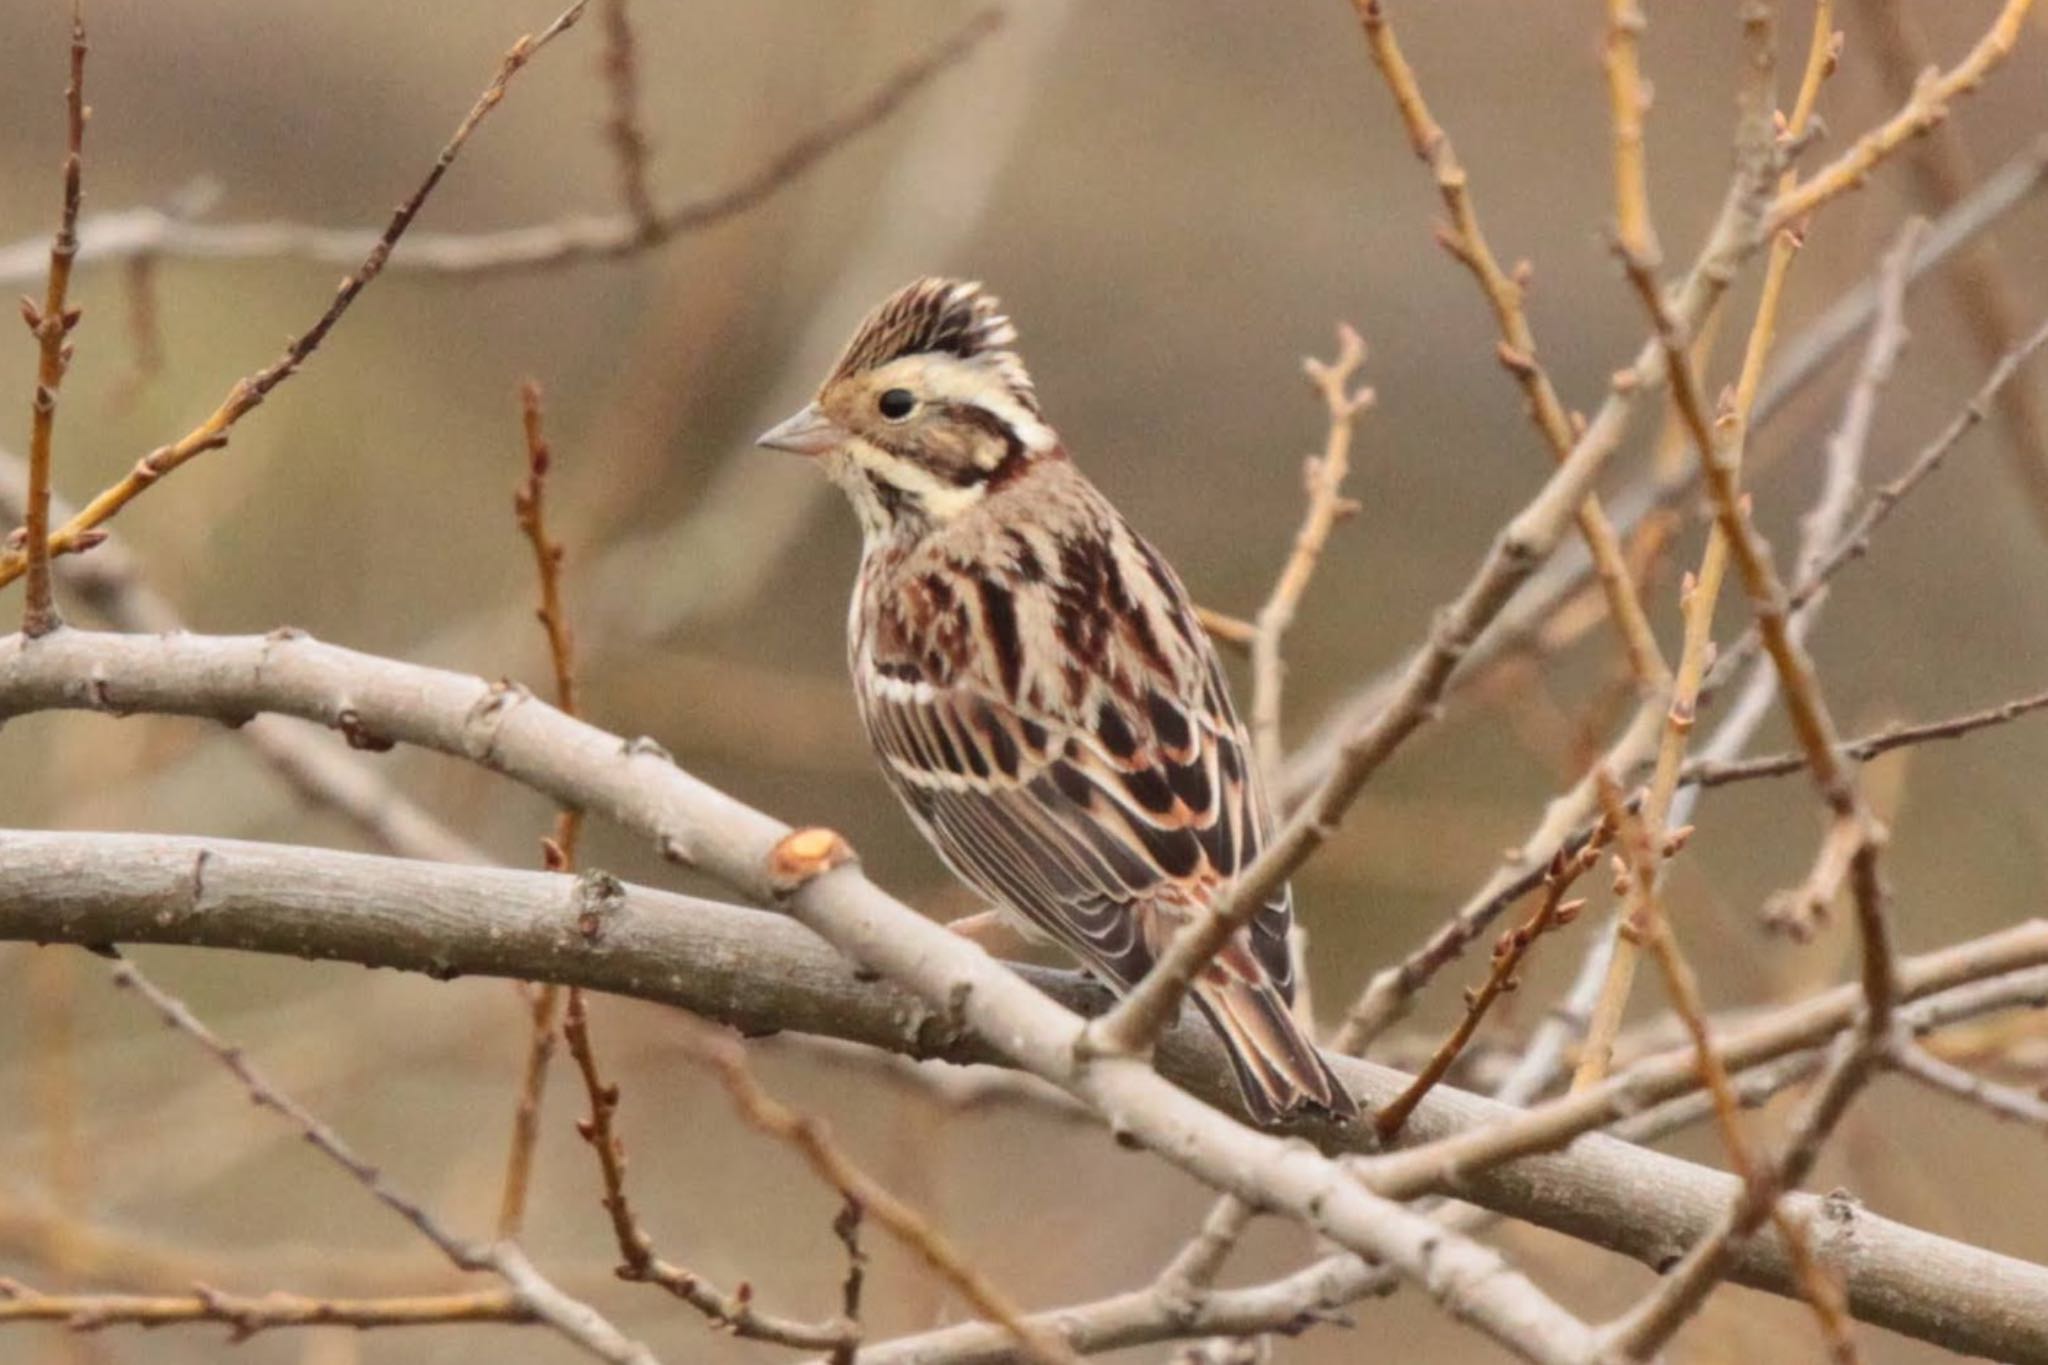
(1034, 682)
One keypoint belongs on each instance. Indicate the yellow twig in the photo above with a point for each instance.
(1700, 591)
(1927, 106)
(248, 1314)
(51, 325)
(1327, 505)
(1466, 241)
(529, 507)
(1627, 102)
(1226, 629)
(1643, 857)
(1851, 848)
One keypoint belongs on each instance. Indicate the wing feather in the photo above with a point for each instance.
(1099, 835)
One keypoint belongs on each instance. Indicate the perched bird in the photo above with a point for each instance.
(1034, 681)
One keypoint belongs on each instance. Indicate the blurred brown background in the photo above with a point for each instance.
(1191, 196)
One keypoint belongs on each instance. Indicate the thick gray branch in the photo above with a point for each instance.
(761, 972)
(378, 701)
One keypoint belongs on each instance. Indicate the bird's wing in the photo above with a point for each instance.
(1100, 834)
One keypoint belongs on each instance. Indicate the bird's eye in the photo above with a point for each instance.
(895, 404)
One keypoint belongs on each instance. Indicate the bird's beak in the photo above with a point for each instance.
(808, 432)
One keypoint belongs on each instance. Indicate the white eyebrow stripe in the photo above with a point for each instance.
(988, 383)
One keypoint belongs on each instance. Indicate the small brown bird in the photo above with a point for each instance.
(1034, 680)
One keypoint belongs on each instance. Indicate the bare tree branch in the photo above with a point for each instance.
(576, 1321)
(51, 324)
(247, 393)
(864, 1194)
(245, 1315)
(841, 965)
(1466, 241)
(760, 973)
(2006, 1101)
(1928, 105)
(149, 233)
(1800, 362)
(506, 729)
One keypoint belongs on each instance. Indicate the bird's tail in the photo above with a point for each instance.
(1278, 1068)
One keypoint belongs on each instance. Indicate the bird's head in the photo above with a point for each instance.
(926, 411)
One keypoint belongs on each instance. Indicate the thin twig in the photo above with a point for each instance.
(1327, 505)
(1985, 291)
(1696, 606)
(1928, 105)
(639, 1263)
(1708, 774)
(846, 1227)
(1466, 241)
(548, 245)
(1851, 848)
(1226, 629)
(576, 1321)
(1646, 916)
(245, 1315)
(1699, 592)
(1820, 530)
(250, 391)
(542, 1004)
(636, 1248)
(1194, 1268)
(462, 1254)
(1196, 1265)
(1855, 542)
(1819, 569)
(1627, 101)
(629, 142)
(1563, 827)
(725, 1058)
(529, 506)
(51, 325)
(1552, 912)
(2006, 1101)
